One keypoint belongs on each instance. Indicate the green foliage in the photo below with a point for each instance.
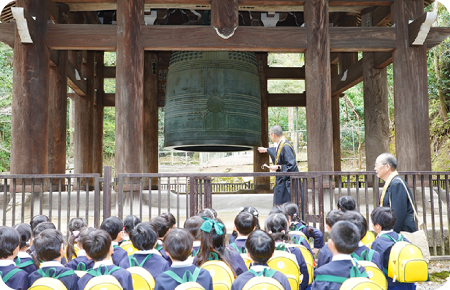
(6, 87)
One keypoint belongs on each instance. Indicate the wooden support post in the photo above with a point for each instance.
(336, 125)
(151, 115)
(29, 131)
(376, 107)
(98, 112)
(318, 87)
(412, 127)
(262, 184)
(129, 87)
(57, 105)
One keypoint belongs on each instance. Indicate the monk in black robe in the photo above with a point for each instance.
(283, 158)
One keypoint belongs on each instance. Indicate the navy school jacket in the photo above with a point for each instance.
(165, 282)
(316, 234)
(122, 275)
(240, 244)
(339, 268)
(19, 281)
(375, 259)
(55, 269)
(119, 255)
(155, 264)
(237, 263)
(301, 264)
(159, 247)
(77, 263)
(26, 262)
(240, 281)
(325, 256)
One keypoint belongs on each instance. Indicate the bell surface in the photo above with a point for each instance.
(213, 102)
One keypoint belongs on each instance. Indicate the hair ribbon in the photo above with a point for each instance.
(209, 224)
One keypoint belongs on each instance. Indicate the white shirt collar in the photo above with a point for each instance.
(23, 255)
(259, 268)
(51, 264)
(81, 253)
(279, 243)
(114, 243)
(384, 232)
(242, 238)
(197, 244)
(104, 262)
(341, 257)
(152, 251)
(160, 242)
(360, 244)
(182, 264)
(4, 263)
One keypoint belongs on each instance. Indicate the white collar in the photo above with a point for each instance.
(341, 257)
(197, 244)
(81, 253)
(114, 243)
(360, 244)
(160, 242)
(23, 255)
(182, 264)
(384, 232)
(4, 263)
(51, 264)
(152, 251)
(104, 262)
(259, 268)
(242, 238)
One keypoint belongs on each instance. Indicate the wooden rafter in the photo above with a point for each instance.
(287, 100)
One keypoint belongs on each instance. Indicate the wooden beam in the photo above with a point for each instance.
(109, 72)
(436, 36)
(286, 73)
(420, 27)
(25, 24)
(224, 17)
(347, 79)
(382, 59)
(78, 85)
(360, 2)
(7, 33)
(287, 100)
(354, 39)
(381, 16)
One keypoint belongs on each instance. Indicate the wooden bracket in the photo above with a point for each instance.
(420, 27)
(76, 83)
(225, 17)
(24, 23)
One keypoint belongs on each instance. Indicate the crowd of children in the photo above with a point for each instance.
(174, 256)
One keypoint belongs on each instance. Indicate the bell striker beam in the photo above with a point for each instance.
(412, 128)
(129, 87)
(29, 131)
(318, 87)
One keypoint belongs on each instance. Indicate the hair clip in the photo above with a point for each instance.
(270, 232)
(76, 233)
(283, 232)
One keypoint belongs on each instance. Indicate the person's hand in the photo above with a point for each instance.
(274, 167)
(262, 150)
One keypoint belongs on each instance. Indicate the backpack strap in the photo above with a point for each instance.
(213, 257)
(267, 272)
(368, 255)
(81, 266)
(297, 241)
(241, 250)
(300, 228)
(158, 247)
(116, 246)
(356, 257)
(24, 264)
(187, 277)
(194, 252)
(330, 278)
(133, 261)
(47, 274)
(98, 272)
(9, 275)
(400, 238)
(355, 271)
(280, 247)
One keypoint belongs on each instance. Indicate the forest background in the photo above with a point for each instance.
(290, 119)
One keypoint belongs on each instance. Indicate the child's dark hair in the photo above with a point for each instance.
(213, 243)
(113, 226)
(42, 227)
(25, 233)
(192, 225)
(260, 247)
(97, 244)
(294, 213)
(346, 203)
(37, 219)
(9, 241)
(345, 236)
(245, 223)
(130, 222)
(254, 212)
(277, 227)
(144, 236)
(161, 226)
(358, 220)
(208, 213)
(170, 218)
(279, 209)
(75, 226)
(48, 245)
(385, 217)
(178, 243)
(83, 233)
(333, 217)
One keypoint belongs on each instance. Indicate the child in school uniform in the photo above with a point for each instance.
(161, 226)
(9, 247)
(253, 211)
(144, 239)
(178, 246)
(81, 262)
(346, 203)
(383, 219)
(361, 223)
(260, 247)
(213, 247)
(192, 225)
(344, 239)
(49, 247)
(277, 226)
(244, 225)
(114, 227)
(98, 246)
(23, 260)
(170, 219)
(129, 223)
(75, 226)
(325, 255)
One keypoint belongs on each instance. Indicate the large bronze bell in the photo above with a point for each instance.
(213, 102)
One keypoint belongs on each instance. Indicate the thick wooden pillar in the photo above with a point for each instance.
(29, 131)
(318, 87)
(262, 184)
(98, 113)
(336, 125)
(412, 129)
(376, 106)
(151, 115)
(129, 87)
(57, 105)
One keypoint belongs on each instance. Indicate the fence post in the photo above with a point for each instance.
(107, 192)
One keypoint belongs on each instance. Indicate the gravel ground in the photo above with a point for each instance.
(436, 267)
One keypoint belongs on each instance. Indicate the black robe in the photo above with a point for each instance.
(282, 190)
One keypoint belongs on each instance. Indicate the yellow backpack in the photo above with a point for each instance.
(188, 282)
(128, 247)
(221, 274)
(142, 279)
(406, 262)
(360, 283)
(286, 263)
(263, 281)
(298, 233)
(103, 281)
(47, 283)
(308, 259)
(374, 274)
(368, 239)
